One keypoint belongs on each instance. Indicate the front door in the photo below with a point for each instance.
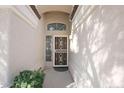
(60, 52)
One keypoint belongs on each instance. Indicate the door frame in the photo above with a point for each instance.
(54, 50)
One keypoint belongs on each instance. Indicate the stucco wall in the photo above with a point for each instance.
(24, 38)
(4, 25)
(97, 46)
(25, 50)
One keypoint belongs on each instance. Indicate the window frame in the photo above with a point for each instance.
(51, 48)
(56, 28)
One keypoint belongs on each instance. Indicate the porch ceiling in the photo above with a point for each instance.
(49, 8)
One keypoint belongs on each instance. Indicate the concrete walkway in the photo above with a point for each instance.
(56, 79)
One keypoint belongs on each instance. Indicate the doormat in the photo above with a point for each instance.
(61, 69)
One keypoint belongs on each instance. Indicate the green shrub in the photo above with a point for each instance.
(29, 79)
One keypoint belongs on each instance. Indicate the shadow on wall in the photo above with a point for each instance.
(3, 58)
(97, 49)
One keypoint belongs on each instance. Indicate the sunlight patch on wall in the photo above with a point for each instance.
(90, 72)
(3, 48)
(120, 35)
(74, 44)
(3, 72)
(85, 81)
(96, 37)
(114, 79)
(88, 21)
(100, 58)
(117, 75)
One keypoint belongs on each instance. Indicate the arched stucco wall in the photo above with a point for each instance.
(57, 17)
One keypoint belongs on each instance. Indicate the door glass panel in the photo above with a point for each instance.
(60, 42)
(48, 48)
(60, 58)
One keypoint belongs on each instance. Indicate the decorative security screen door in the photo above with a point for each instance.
(60, 51)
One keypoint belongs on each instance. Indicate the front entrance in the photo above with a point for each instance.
(57, 51)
